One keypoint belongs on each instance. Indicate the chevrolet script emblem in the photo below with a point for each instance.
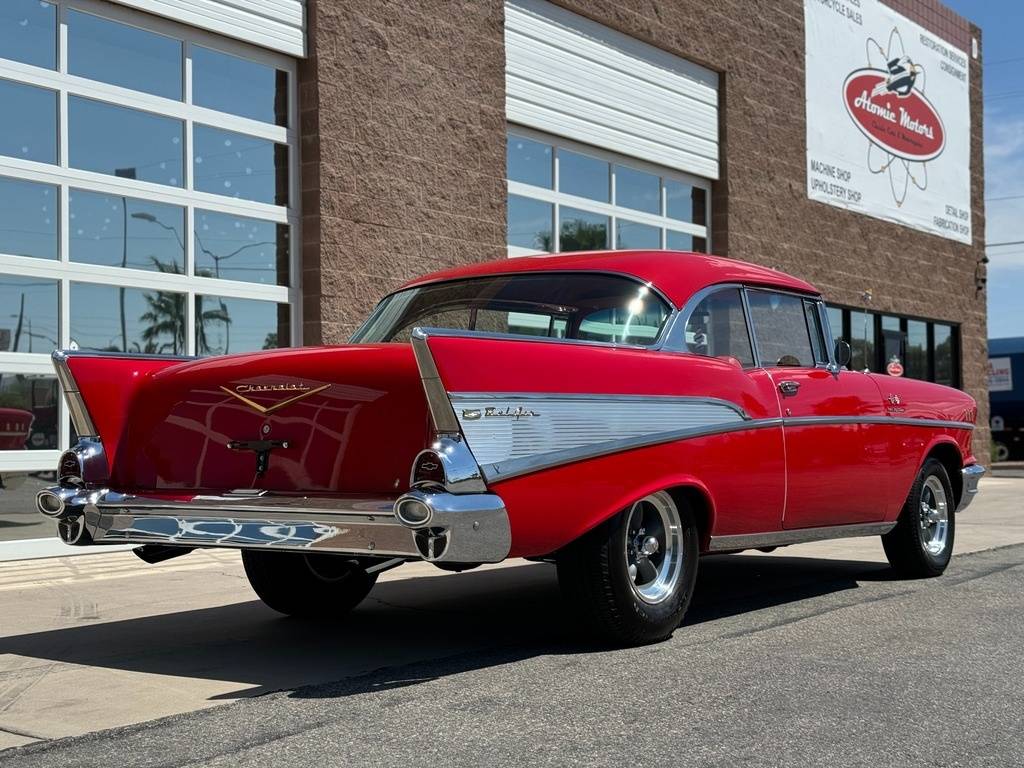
(303, 391)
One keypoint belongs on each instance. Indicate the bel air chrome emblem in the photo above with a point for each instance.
(302, 392)
(508, 412)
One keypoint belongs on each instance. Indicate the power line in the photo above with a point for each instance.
(1000, 245)
(1003, 61)
(1004, 197)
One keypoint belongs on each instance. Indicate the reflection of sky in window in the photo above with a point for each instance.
(241, 248)
(253, 325)
(154, 320)
(28, 32)
(583, 176)
(637, 190)
(28, 129)
(683, 202)
(683, 241)
(529, 161)
(121, 55)
(28, 219)
(125, 142)
(28, 314)
(240, 87)
(232, 164)
(529, 223)
(629, 234)
(155, 232)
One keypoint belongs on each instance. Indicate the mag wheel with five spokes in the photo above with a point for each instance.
(921, 544)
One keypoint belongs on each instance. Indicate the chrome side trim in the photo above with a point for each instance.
(972, 473)
(76, 405)
(504, 470)
(823, 421)
(795, 536)
(437, 397)
(525, 426)
(458, 397)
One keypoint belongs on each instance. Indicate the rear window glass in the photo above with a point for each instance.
(588, 307)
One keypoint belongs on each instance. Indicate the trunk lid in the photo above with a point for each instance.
(347, 419)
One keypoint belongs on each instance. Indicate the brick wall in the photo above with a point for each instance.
(403, 149)
(404, 157)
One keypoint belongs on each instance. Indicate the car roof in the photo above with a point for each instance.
(677, 274)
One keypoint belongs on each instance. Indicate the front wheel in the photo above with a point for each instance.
(308, 586)
(921, 544)
(630, 579)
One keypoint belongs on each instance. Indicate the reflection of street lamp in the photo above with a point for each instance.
(124, 173)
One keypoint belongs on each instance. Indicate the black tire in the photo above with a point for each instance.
(308, 586)
(911, 547)
(594, 575)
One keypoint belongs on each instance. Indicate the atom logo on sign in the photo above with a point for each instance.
(886, 101)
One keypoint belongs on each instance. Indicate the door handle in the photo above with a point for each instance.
(789, 388)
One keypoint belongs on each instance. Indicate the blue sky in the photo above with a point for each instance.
(1002, 26)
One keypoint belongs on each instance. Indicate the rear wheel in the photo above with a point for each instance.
(309, 586)
(921, 544)
(630, 580)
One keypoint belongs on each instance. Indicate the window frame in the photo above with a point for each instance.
(699, 298)
(612, 210)
(66, 178)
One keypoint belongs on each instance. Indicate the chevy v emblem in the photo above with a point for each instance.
(303, 390)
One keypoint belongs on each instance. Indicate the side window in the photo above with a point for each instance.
(717, 327)
(815, 330)
(780, 324)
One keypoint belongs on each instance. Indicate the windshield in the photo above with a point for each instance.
(589, 307)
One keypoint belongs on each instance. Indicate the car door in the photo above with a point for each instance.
(836, 458)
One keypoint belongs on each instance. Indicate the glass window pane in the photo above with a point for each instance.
(28, 129)
(683, 241)
(685, 202)
(718, 327)
(581, 230)
(637, 190)
(125, 142)
(529, 161)
(629, 234)
(28, 219)
(781, 329)
(224, 325)
(529, 223)
(121, 231)
(236, 165)
(28, 412)
(814, 329)
(835, 322)
(241, 248)
(862, 341)
(18, 517)
(583, 176)
(114, 53)
(28, 318)
(28, 32)
(945, 362)
(917, 349)
(638, 322)
(238, 86)
(115, 319)
(890, 323)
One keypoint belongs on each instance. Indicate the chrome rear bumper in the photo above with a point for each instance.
(971, 474)
(455, 528)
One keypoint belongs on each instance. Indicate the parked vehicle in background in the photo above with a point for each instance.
(1006, 397)
(617, 413)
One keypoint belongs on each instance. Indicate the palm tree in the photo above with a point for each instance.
(166, 318)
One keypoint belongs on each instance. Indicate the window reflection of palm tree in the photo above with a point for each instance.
(217, 259)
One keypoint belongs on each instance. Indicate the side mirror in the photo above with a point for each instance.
(843, 353)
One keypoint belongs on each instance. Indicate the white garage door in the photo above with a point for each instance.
(569, 76)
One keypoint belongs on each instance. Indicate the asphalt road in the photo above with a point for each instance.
(782, 661)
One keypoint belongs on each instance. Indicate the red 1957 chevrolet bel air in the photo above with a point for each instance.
(618, 413)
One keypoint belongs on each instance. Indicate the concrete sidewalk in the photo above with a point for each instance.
(97, 641)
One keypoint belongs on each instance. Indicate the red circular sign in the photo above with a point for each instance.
(894, 368)
(907, 126)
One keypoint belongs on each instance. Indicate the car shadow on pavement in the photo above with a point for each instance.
(462, 621)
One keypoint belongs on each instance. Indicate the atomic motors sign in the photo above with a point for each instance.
(888, 118)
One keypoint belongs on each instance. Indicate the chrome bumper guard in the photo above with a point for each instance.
(469, 528)
(972, 473)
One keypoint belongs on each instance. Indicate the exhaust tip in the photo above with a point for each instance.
(49, 503)
(412, 512)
